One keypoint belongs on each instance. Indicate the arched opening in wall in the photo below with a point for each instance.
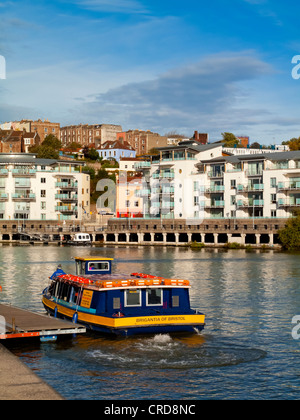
(122, 237)
(222, 238)
(183, 237)
(276, 239)
(111, 237)
(6, 237)
(147, 237)
(171, 237)
(133, 237)
(196, 237)
(209, 238)
(158, 237)
(99, 237)
(264, 239)
(250, 239)
(16, 237)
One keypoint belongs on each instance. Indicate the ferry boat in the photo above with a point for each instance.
(121, 304)
(79, 239)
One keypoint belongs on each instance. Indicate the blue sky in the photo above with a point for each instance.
(222, 65)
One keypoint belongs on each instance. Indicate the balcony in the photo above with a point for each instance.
(142, 165)
(256, 187)
(3, 172)
(215, 189)
(167, 175)
(4, 197)
(66, 209)
(143, 193)
(66, 185)
(250, 203)
(214, 204)
(23, 197)
(24, 172)
(213, 174)
(66, 197)
(289, 186)
(289, 202)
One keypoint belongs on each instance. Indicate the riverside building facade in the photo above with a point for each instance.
(194, 192)
(42, 189)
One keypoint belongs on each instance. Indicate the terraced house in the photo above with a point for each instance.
(42, 189)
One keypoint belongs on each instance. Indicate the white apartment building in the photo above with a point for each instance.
(193, 181)
(42, 189)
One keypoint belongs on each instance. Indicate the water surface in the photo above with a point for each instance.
(245, 352)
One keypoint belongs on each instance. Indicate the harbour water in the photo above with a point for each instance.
(245, 352)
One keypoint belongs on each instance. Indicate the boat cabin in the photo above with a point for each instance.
(93, 265)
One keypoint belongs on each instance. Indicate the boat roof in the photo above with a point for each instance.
(122, 281)
(93, 259)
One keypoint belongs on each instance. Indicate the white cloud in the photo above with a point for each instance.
(183, 99)
(116, 6)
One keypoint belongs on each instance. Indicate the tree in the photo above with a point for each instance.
(47, 152)
(255, 145)
(230, 140)
(52, 141)
(290, 235)
(294, 144)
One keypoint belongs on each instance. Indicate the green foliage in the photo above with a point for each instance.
(196, 245)
(290, 235)
(49, 149)
(52, 141)
(230, 140)
(294, 144)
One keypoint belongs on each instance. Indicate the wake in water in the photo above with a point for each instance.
(164, 352)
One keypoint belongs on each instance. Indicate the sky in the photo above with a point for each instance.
(166, 66)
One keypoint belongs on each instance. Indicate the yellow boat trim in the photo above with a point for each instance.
(128, 322)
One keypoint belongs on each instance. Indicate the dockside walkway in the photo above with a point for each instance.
(18, 382)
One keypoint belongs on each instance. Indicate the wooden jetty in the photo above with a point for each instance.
(21, 323)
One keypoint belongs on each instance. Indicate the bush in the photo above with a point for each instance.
(290, 235)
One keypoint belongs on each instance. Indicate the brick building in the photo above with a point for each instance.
(42, 128)
(89, 135)
(143, 141)
(13, 141)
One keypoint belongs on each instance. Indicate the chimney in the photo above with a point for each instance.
(196, 136)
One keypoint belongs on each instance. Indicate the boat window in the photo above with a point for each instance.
(74, 295)
(154, 297)
(80, 268)
(175, 301)
(98, 266)
(133, 298)
(116, 303)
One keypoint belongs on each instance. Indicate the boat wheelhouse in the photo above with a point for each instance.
(121, 304)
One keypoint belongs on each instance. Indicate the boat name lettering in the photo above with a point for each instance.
(161, 319)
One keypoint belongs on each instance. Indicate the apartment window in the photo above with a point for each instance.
(273, 182)
(43, 180)
(43, 205)
(273, 213)
(127, 203)
(43, 216)
(273, 198)
(43, 193)
(233, 200)
(233, 184)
